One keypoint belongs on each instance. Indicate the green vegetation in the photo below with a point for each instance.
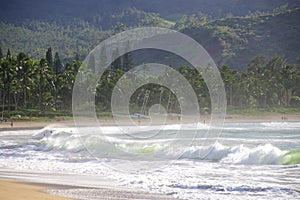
(255, 45)
(38, 88)
(235, 41)
(71, 36)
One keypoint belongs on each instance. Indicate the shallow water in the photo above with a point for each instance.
(245, 162)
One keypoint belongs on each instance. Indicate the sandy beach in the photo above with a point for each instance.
(39, 191)
(25, 125)
(15, 190)
(42, 186)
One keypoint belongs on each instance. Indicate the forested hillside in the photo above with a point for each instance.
(256, 45)
(70, 36)
(235, 41)
(76, 27)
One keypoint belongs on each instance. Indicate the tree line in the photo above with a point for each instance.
(264, 83)
(36, 86)
(44, 84)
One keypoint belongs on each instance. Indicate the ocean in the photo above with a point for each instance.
(247, 160)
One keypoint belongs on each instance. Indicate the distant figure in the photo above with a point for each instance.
(284, 118)
(11, 123)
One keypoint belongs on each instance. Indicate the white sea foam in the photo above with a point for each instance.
(244, 164)
(61, 140)
(281, 125)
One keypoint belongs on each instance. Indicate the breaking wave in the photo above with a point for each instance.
(68, 140)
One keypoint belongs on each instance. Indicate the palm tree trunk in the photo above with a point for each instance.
(40, 97)
(8, 98)
(287, 97)
(25, 98)
(16, 101)
(230, 95)
(3, 102)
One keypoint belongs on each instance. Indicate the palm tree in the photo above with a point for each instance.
(288, 81)
(44, 73)
(24, 68)
(7, 75)
(66, 80)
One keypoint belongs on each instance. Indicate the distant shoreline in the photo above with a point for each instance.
(33, 125)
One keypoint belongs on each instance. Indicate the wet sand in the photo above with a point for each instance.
(19, 185)
(13, 190)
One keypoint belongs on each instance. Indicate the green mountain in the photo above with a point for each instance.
(70, 36)
(236, 41)
(233, 31)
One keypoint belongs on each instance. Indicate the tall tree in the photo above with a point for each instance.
(256, 80)
(91, 62)
(273, 76)
(77, 57)
(44, 78)
(230, 78)
(57, 64)
(288, 81)
(1, 54)
(127, 58)
(117, 60)
(103, 57)
(7, 75)
(8, 54)
(57, 67)
(49, 57)
(67, 78)
(25, 69)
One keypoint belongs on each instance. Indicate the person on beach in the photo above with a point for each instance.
(11, 123)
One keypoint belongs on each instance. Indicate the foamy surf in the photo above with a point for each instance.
(67, 139)
(248, 161)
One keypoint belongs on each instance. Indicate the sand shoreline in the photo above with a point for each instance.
(60, 187)
(44, 191)
(30, 125)
(16, 190)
